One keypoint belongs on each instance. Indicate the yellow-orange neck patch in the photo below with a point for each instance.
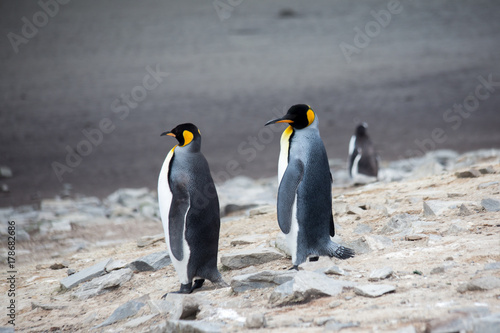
(310, 116)
(188, 137)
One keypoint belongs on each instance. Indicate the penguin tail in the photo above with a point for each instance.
(340, 251)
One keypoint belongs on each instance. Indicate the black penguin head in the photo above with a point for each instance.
(184, 133)
(361, 129)
(298, 116)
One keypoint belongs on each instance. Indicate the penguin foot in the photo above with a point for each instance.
(344, 252)
(198, 283)
(315, 258)
(296, 267)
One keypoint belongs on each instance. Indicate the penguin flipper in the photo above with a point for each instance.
(287, 193)
(352, 158)
(177, 215)
(332, 226)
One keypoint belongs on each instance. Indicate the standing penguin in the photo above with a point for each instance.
(363, 160)
(189, 209)
(305, 189)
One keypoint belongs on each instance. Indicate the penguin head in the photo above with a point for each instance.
(298, 116)
(185, 134)
(361, 129)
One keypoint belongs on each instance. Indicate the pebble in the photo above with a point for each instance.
(471, 173)
(491, 205)
(85, 275)
(245, 258)
(380, 274)
(486, 185)
(255, 321)
(124, 311)
(374, 290)
(151, 262)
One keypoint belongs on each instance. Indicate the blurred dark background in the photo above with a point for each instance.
(230, 70)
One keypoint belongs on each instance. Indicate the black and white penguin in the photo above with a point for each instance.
(189, 209)
(363, 159)
(305, 189)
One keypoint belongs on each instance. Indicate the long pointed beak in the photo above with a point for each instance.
(279, 120)
(168, 133)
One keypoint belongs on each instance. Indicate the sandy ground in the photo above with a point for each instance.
(417, 300)
(230, 77)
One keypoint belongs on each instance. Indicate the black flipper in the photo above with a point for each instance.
(287, 192)
(176, 217)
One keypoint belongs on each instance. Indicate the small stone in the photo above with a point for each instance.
(71, 271)
(115, 264)
(48, 307)
(255, 321)
(59, 265)
(335, 270)
(242, 259)
(374, 290)
(491, 205)
(353, 210)
(362, 229)
(320, 321)
(149, 240)
(415, 237)
(380, 274)
(263, 279)
(464, 211)
(487, 171)
(185, 306)
(484, 283)
(192, 326)
(471, 173)
(455, 195)
(248, 239)
(437, 270)
(492, 266)
(85, 274)
(438, 207)
(486, 185)
(332, 325)
(334, 304)
(268, 209)
(126, 310)
(151, 262)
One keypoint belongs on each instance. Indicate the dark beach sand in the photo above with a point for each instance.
(229, 77)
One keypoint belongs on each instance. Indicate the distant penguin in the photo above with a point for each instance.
(189, 209)
(363, 160)
(305, 189)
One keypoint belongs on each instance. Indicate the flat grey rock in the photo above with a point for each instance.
(139, 321)
(191, 326)
(126, 310)
(242, 259)
(335, 270)
(115, 265)
(149, 240)
(492, 265)
(471, 173)
(438, 207)
(85, 274)
(306, 286)
(184, 306)
(281, 244)
(263, 279)
(103, 284)
(380, 274)
(248, 239)
(488, 324)
(486, 185)
(374, 290)
(484, 283)
(151, 262)
(362, 229)
(491, 205)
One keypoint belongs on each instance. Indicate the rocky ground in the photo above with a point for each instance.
(426, 237)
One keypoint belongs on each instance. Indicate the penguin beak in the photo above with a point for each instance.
(279, 120)
(168, 133)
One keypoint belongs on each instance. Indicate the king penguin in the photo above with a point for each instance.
(189, 209)
(363, 160)
(305, 189)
